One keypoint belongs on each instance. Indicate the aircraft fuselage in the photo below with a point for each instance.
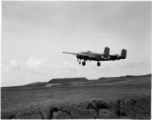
(96, 57)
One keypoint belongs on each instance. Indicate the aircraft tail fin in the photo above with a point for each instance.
(106, 52)
(123, 54)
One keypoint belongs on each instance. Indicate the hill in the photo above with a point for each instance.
(67, 80)
(37, 84)
(128, 79)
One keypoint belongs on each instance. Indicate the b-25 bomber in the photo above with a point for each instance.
(98, 56)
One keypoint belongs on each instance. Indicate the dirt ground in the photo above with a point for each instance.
(111, 98)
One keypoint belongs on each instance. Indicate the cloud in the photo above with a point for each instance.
(114, 68)
(39, 66)
(136, 63)
(67, 64)
(118, 65)
(34, 63)
(13, 66)
(45, 67)
(8, 70)
(128, 65)
(67, 68)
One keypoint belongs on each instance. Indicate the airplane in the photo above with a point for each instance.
(98, 56)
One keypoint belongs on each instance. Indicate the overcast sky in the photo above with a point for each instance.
(34, 35)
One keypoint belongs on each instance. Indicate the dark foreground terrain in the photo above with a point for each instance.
(126, 97)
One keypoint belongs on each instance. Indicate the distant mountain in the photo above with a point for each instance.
(127, 76)
(67, 80)
(82, 80)
(138, 75)
(59, 81)
(37, 84)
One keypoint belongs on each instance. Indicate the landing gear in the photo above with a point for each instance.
(83, 63)
(98, 63)
(79, 61)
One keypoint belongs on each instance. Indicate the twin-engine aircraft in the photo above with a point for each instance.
(98, 56)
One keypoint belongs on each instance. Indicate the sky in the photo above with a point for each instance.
(34, 35)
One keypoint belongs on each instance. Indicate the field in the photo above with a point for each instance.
(119, 98)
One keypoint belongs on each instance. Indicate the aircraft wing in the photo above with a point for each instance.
(87, 55)
(81, 54)
(71, 53)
